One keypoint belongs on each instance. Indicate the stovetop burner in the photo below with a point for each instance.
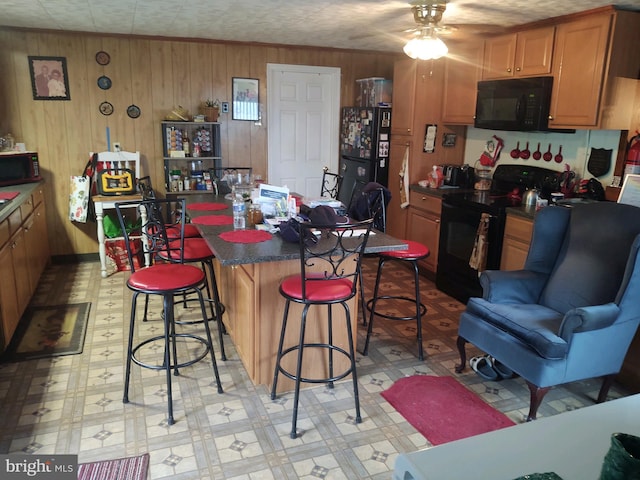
(508, 185)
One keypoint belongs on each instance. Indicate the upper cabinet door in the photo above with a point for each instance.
(580, 56)
(499, 54)
(521, 54)
(404, 97)
(463, 70)
(534, 51)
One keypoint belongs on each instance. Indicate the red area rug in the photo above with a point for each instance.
(442, 409)
(130, 468)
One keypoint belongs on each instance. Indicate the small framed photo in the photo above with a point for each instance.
(449, 140)
(246, 105)
(49, 78)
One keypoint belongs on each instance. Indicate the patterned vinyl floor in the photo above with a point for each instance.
(73, 404)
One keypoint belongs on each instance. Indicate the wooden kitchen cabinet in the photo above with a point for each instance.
(463, 70)
(595, 71)
(404, 96)
(423, 225)
(515, 246)
(8, 295)
(24, 253)
(520, 54)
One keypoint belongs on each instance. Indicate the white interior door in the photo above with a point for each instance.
(303, 105)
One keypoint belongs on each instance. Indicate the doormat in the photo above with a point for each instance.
(50, 331)
(130, 468)
(442, 409)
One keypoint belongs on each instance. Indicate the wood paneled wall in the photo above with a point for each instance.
(156, 75)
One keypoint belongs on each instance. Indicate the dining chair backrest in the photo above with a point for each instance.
(119, 160)
(145, 188)
(331, 183)
(334, 255)
(156, 214)
(370, 200)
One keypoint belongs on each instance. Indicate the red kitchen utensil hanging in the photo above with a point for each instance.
(526, 153)
(537, 155)
(558, 158)
(515, 153)
(548, 155)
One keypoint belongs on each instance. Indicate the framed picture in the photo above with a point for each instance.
(246, 104)
(49, 78)
(449, 140)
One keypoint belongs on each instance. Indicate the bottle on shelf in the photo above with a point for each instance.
(239, 210)
(186, 144)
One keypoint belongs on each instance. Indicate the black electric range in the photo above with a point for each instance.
(460, 219)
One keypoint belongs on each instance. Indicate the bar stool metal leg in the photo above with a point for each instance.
(420, 309)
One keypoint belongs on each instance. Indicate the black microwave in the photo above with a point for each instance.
(19, 167)
(520, 104)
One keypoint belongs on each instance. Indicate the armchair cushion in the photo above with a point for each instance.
(588, 318)
(535, 325)
(517, 286)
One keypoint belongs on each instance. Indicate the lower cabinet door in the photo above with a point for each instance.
(425, 228)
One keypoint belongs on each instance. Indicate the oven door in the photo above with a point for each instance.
(458, 229)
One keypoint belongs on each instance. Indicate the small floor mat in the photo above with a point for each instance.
(50, 331)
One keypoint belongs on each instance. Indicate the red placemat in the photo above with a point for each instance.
(213, 220)
(8, 195)
(246, 236)
(207, 206)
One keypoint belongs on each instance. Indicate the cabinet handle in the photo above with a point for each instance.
(550, 117)
(424, 198)
(508, 70)
(438, 220)
(408, 130)
(517, 69)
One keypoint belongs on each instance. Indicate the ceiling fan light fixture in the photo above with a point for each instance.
(427, 46)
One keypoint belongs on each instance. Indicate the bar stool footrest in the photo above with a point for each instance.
(161, 338)
(333, 379)
(423, 308)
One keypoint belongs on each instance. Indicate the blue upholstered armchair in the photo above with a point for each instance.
(573, 310)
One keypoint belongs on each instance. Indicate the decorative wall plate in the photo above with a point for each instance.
(104, 82)
(133, 111)
(106, 108)
(103, 58)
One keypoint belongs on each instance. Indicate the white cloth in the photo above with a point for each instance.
(404, 180)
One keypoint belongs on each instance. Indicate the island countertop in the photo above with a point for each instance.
(273, 250)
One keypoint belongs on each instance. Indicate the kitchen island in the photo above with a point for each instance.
(249, 276)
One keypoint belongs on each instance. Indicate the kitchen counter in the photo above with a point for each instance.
(24, 192)
(248, 277)
(273, 250)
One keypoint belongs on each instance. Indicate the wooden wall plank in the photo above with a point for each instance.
(156, 75)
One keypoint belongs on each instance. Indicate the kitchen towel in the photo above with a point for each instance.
(8, 195)
(404, 180)
(478, 260)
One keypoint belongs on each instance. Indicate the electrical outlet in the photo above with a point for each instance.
(225, 107)
(116, 146)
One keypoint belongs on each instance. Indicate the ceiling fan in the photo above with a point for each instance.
(429, 22)
(429, 13)
(426, 43)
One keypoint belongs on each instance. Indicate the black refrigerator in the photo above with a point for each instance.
(364, 148)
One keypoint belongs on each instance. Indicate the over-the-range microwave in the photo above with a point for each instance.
(19, 167)
(519, 104)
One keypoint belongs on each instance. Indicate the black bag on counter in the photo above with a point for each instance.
(290, 232)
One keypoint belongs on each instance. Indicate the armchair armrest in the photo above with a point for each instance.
(583, 319)
(514, 286)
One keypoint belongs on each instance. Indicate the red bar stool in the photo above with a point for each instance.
(166, 279)
(329, 270)
(415, 252)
